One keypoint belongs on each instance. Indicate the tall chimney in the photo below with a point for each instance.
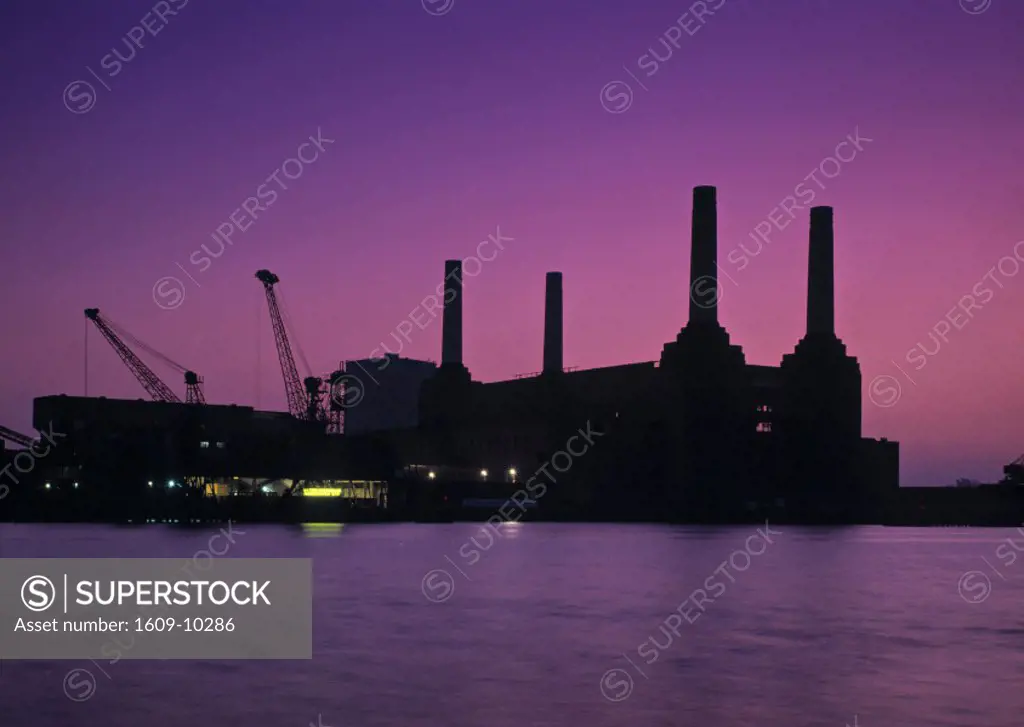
(703, 257)
(821, 317)
(553, 323)
(451, 324)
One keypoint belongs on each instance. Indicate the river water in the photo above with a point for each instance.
(557, 624)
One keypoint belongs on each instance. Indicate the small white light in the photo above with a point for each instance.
(483, 473)
(170, 483)
(431, 475)
(512, 471)
(76, 484)
(150, 483)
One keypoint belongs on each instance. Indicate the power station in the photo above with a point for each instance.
(694, 435)
(699, 433)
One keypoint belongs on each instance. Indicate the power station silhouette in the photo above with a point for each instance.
(700, 434)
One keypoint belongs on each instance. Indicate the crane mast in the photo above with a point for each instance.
(150, 381)
(314, 399)
(17, 437)
(298, 401)
(154, 386)
(1014, 472)
(336, 407)
(193, 388)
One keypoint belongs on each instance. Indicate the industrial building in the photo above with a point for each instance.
(121, 448)
(695, 435)
(381, 394)
(698, 434)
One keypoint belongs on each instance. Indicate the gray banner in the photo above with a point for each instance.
(158, 608)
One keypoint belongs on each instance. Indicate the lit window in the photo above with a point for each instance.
(204, 445)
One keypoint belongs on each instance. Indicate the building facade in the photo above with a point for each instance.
(382, 394)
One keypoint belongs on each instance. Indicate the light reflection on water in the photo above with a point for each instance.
(322, 530)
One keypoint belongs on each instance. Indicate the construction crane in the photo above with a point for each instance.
(1013, 473)
(150, 381)
(336, 407)
(17, 437)
(305, 395)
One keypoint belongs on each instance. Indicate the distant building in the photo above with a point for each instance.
(382, 394)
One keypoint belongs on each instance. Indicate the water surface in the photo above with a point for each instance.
(551, 624)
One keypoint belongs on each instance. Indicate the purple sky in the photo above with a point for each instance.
(450, 127)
